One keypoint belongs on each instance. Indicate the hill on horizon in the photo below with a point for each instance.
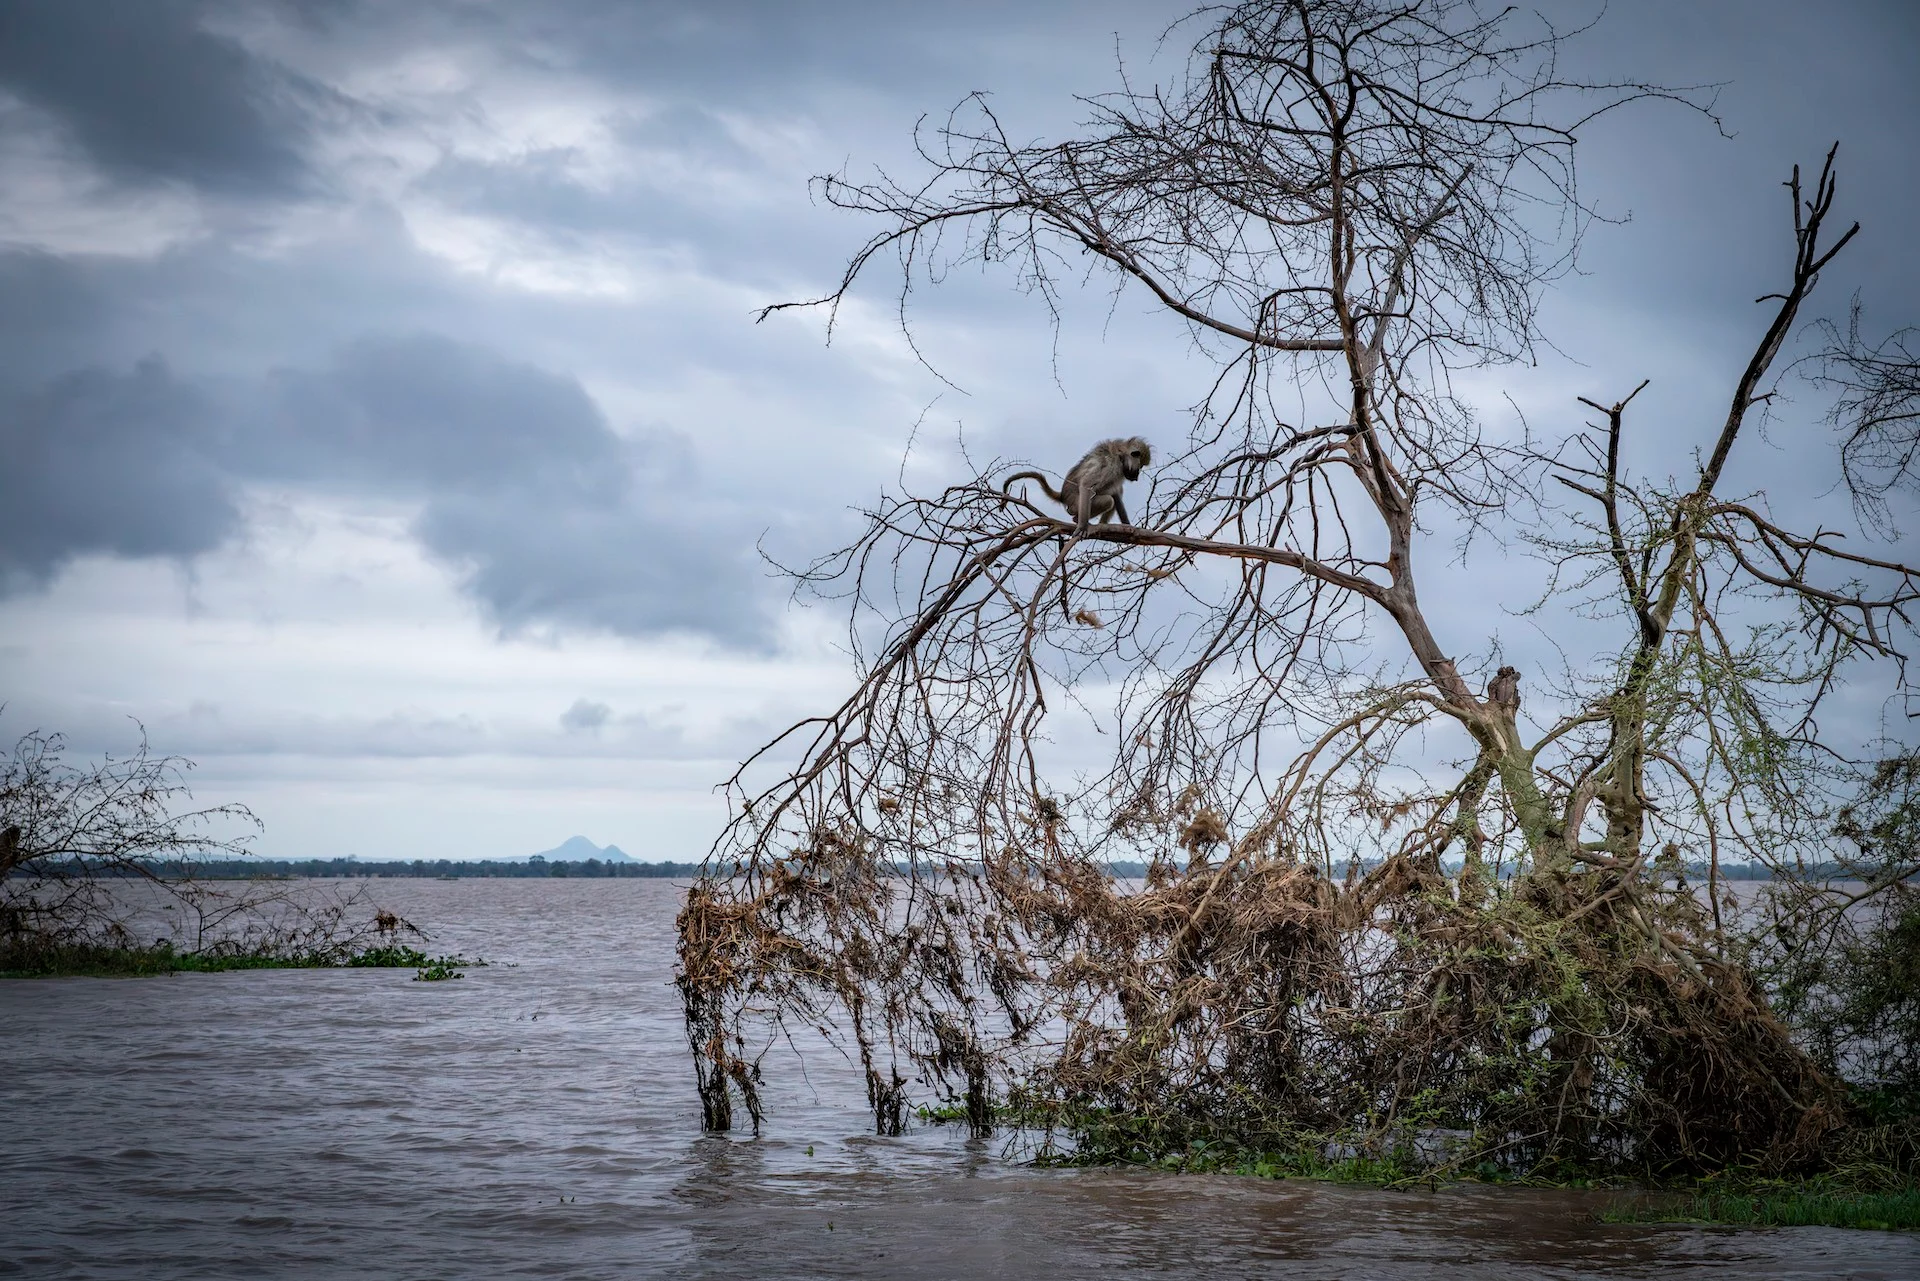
(578, 849)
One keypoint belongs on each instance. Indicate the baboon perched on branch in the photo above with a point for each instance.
(1092, 486)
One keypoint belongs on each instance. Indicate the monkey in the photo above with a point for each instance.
(1092, 486)
(1503, 691)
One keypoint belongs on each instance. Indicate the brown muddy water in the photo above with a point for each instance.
(537, 1118)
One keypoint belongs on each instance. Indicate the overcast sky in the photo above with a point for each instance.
(384, 425)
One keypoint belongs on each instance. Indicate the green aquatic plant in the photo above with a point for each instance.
(388, 956)
(74, 960)
(118, 961)
(441, 968)
(1811, 1204)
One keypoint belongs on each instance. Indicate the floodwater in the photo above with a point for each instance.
(537, 1118)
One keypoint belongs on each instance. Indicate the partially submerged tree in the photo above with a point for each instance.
(1345, 203)
(67, 833)
(98, 859)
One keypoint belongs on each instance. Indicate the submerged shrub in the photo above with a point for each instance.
(95, 858)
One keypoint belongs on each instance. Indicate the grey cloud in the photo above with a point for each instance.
(687, 128)
(583, 716)
(540, 186)
(320, 15)
(151, 94)
(554, 517)
(629, 569)
(96, 461)
(46, 303)
(550, 517)
(681, 175)
(408, 413)
(772, 49)
(546, 513)
(205, 729)
(536, 188)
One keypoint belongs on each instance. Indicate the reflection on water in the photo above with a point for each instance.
(537, 1118)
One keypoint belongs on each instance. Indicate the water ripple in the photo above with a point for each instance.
(537, 1119)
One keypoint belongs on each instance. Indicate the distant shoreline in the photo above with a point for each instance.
(248, 869)
(251, 868)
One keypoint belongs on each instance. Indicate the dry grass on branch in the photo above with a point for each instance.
(1553, 1022)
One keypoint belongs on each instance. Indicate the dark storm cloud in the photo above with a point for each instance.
(97, 461)
(622, 568)
(47, 308)
(549, 516)
(426, 413)
(149, 93)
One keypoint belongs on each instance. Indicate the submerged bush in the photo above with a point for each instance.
(1266, 1008)
(97, 858)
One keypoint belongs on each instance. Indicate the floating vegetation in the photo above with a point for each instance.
(73, 960)
(1777, 1205)
(432, 969)
(389, 956)
(441, 968)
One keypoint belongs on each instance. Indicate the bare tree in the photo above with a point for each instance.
(70, 832)
(1346, 202)
(91, 854)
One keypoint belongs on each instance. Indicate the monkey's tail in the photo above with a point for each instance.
(1035, 476)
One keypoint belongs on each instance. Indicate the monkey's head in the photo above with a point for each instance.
(1135, 454)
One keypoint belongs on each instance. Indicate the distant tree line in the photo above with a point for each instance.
(248, 868)
(252, 868)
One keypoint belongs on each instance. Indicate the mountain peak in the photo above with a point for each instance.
(578, 849)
